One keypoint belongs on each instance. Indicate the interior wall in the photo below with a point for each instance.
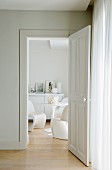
(46, 63)
(10, 24)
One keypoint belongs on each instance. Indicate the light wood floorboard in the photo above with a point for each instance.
(42, 153)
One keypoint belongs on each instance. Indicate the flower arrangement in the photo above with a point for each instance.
(53, 99)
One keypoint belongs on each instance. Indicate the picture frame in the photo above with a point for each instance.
(49, 85)
(31, 88)
(39, 87)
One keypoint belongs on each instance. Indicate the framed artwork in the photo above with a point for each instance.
(49, 85)
(39, 87)
(31, 88)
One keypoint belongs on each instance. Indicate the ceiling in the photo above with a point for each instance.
(47, 5)
(58, 44)
(52, 43)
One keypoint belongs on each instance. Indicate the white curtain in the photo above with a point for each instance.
(101, 95)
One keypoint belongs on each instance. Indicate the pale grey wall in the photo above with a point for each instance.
(46, 63)
(10, 24)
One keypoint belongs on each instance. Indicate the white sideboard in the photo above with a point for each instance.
(40, 102)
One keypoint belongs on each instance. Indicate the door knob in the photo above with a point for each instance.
(85, 99)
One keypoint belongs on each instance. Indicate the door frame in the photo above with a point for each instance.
(23, 75)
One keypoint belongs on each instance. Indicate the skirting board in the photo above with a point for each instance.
(13, 145)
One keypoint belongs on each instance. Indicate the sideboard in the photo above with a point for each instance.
(40, 102)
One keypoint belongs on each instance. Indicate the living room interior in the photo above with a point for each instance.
(45, 55)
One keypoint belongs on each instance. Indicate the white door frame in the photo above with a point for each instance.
(23, 74)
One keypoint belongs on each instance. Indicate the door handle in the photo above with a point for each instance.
(85, 99)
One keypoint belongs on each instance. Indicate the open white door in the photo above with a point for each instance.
(79, 87)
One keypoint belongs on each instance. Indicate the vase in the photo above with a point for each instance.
(59, 87)
(55, 90)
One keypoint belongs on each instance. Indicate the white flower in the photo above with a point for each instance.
(53, 99)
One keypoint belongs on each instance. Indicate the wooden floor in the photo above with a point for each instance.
(43, 153)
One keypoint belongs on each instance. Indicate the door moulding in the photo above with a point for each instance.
(23, 75)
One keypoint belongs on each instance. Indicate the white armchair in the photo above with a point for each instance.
(60, 107)
(35, 120)
(59, 126)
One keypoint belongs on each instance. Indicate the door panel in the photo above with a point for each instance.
(79, 81)
(81, 129)
(73, 126)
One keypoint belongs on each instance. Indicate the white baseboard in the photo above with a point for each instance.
(13, 145)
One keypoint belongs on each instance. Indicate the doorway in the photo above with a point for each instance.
(47, 62)
(77, 41)
(24, 74)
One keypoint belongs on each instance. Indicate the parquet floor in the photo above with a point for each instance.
(42, 153)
